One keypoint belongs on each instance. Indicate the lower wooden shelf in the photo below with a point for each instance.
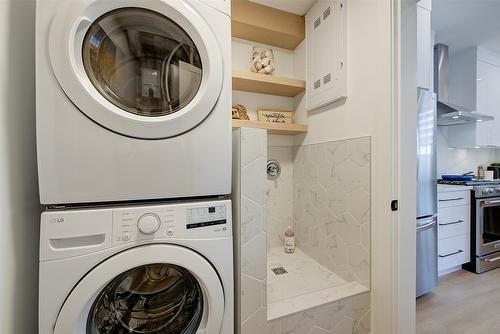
(272, 128)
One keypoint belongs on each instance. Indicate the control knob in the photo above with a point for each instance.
(148, 223)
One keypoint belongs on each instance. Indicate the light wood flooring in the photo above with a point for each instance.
(463, 303)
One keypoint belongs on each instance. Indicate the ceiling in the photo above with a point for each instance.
(299, 7)
(464, 23)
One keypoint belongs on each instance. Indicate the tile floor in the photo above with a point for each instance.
(463, 303)
(306, 284)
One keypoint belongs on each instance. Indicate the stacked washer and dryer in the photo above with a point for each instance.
(134, 158)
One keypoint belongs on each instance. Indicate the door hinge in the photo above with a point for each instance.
(395, 205)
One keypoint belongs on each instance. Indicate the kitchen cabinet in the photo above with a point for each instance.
(474, 78)
(424, 45)
(454, 214)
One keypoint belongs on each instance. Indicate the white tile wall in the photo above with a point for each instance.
(330, 205)
(348, 316)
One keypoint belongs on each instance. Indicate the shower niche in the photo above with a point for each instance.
(323, 193)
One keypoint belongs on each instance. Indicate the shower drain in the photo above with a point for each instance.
(279, 271)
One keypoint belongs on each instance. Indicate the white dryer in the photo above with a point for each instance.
(145, 269)
(133, 99)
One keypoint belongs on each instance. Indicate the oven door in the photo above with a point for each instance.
(488, 225)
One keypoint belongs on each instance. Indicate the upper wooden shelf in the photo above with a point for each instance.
(267, 84)
(272, 128)
(266, 25)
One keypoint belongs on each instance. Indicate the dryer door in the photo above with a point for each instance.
(149, 289)
(144, 69)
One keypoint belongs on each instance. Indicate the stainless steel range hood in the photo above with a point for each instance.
(449, 113)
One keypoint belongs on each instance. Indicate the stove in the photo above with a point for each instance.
(471, 183)
(485, 224)
(482, 188)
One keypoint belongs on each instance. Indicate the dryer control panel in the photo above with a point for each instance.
(181, 221)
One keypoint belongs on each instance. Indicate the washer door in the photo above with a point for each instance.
(161, 289)
(144, 69)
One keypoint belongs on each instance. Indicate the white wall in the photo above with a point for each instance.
(366, 112)
(18, 184)
(459, 161)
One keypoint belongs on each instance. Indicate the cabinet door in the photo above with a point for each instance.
(424, 48)
(488, 103)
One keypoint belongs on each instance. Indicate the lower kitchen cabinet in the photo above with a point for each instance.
(454, 214)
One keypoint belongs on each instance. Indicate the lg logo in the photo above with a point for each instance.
(59, 220)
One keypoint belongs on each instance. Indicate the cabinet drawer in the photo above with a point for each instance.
(453, 221)
(453, 252)
(453, 198)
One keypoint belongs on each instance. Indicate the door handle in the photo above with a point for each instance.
(454, 253)
(452, 223)
(492, 260)
(489, 203)
(427, 226)
(451, 199)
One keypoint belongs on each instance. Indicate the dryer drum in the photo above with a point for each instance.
(156, 298)
(142, 62)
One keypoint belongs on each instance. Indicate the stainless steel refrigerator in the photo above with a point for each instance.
(427, 277)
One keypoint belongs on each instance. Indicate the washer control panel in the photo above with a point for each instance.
(183, 221)
(206, 216)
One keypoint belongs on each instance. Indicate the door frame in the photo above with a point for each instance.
(404, 129)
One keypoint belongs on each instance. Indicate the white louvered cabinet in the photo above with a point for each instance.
(326, 64)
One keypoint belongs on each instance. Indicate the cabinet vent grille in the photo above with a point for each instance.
(327, 78)
(327, 13)
(317, 84)
(317, 22)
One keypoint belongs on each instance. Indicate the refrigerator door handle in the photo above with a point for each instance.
(427, 226)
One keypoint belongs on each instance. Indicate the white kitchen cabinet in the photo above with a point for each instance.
(454, 212)
(474, 81)
(453, 198)
(424, 47)
(452, 253)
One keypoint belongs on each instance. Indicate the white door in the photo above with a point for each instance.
(148, 289)
(144, 69)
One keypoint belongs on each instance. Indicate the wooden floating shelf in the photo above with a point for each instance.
(267, 84)
(266, 25)
(272, 128)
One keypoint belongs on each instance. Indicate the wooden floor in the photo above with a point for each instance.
(464, 303)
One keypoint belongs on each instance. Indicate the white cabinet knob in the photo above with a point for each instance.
(148, 223)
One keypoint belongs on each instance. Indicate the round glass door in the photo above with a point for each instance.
(142, 62)
(153, 298)
(159, 288)
(143, 69)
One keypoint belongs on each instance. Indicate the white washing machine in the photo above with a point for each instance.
(143, 269)
(133, 99)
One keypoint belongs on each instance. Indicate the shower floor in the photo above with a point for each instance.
(306, 284)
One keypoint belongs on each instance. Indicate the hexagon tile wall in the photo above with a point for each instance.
(331, 206)
(345, 166)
